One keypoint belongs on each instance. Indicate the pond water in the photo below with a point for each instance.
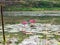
(32, 13)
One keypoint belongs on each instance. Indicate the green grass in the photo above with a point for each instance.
(29, 9)
(39, 19)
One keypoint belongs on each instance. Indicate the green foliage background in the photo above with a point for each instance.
(32, 5)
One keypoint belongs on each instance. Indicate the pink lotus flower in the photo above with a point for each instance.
(24, 22)
(32, 21)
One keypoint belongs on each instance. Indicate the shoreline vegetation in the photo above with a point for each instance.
(32, 5)
(32, 9)
(39, 19)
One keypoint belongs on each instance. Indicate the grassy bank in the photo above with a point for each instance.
(31, 9)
